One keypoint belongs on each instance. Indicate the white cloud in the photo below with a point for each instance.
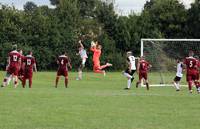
(125, 6)
(187, 3)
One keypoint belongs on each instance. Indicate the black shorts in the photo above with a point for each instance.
(130, 72)
(177, 79)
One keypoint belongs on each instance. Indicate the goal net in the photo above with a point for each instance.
(162, 54)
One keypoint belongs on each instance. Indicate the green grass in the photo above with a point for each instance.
(97, 103)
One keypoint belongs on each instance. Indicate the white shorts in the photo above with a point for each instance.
(84, 61)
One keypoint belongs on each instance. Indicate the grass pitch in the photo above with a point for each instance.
(97, 102)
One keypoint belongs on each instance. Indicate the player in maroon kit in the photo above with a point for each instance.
(21, 67)
(142, 69)
(197, 82)
(29, 63)
(64, 62)
(191, 66)
(12, 68)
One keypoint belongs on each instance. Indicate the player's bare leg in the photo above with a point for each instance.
(66, 82)
(15, 81)
(190, 86)
(177, 85)
(138, 83)
(24, 82)
(129, 77)
(80, 73)
(6, 80)
(106, 65)
(97, 70)
(20, 78)
(57, 80)
(147, 84)
(30, 82)
(80, 76)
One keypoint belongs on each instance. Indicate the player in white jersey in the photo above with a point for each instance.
(179, 74)
(128, 73)
(83, 55)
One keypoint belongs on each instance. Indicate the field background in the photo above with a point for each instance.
(97, 102)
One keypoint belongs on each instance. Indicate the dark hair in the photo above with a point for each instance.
(14, 47)
(63, 52)
(29, 52)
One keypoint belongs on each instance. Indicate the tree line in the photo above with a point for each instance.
(49, 31)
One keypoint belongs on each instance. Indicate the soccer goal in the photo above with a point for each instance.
(163, 55)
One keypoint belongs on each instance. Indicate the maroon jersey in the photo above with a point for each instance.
(29, 61)
(14, 58)
(191, 65)
(143, 66)
(63, 61)
(198, 64)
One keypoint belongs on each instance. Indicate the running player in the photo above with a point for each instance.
(29, 64)
(12, 68)
(63, 62)
(83, 56)
(179, 74)
(191, 66)
(97, 68)
(143, 67)
(128, 73)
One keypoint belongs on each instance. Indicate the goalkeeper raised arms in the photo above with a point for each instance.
(96, 49)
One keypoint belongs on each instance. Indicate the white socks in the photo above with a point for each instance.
(80, 74)
(129, 79)
(177, 85)
(129, 83)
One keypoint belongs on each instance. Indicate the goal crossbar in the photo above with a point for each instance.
(169, 40)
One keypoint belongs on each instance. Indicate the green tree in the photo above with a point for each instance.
(194, 20)
(169, 16)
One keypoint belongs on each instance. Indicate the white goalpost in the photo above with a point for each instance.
(163, 53)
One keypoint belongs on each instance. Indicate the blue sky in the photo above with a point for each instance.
(122, 6)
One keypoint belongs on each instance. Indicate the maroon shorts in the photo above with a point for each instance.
(143, 75)
(62, 72)
(191, 77)
(13, 70)
(21, 72)
(28, 74)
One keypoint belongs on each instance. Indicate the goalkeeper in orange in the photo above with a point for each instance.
(96, 49)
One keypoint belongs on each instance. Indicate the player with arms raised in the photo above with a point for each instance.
(63, 62)
(128, 73)
(142, 70)
(97, 68)
(14, 58)
(83, 56)
(191, 67)
(28, 63)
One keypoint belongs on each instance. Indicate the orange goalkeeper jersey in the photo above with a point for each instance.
(96, 54)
